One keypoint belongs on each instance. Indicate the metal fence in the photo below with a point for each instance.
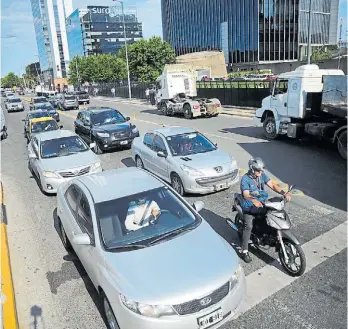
(237, 93)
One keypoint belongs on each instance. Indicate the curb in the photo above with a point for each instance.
(9, 313)
(240, 113)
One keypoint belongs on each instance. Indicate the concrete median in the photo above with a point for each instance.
(9, 313)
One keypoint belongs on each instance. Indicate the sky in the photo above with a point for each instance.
(16, 19)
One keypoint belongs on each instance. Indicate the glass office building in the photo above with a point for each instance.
(100, 30)
(248, 31)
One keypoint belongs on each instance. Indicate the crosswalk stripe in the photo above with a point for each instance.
(270, 279)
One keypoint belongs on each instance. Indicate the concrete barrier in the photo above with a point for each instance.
(9, 313)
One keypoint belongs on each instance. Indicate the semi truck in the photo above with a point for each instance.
(307, 102)
(177, 93)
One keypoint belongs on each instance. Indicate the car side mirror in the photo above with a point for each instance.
(92, 145)
(127, 118)
(23, 120)
(61, 127)
(82, 239)
(161, 154)
(198, 205)
(215, 144)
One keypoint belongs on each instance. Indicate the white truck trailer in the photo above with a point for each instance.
(307, 102)
(177, 93)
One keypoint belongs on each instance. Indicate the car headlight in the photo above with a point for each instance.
(152, 311)
(135, 130)
(95, 166)
(50, 174)
(103, 135)
(191, 171)
(236, 276)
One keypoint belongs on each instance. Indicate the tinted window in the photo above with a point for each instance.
(107, 117)
(62, 147)
(69, 98)
(38, 114)
(159, 145)
(47, 107)
(148, 138)
(14, 100)
(143, 217)
(84, 217)
(40, 100)
(71, 196)
(191, 143)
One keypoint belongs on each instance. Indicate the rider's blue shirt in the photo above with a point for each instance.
(255, 188)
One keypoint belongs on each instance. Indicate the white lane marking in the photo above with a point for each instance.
(270, 279)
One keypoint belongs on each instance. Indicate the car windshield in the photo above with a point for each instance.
(14, 100)
(144, 218)
(48, 125)
(70, 98)
(40, 100)
(62, 146)
(107, 117)
(190, 143)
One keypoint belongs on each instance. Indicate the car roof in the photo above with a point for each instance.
(98, 109)
(119, 183)
(171, 131)
(42, 119)
(53, 134)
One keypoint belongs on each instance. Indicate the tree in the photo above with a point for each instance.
(98, 68)
(148, 57)
(11, 80)
(321, 54)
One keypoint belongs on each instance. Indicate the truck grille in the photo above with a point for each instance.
(75, 173)
(210, 181)
(195, 306)
(122, 134)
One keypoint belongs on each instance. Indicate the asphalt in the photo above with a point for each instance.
(53, 290)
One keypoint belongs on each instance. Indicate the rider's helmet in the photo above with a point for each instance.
(256, 164)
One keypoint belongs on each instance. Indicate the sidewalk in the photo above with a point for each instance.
(246, 112)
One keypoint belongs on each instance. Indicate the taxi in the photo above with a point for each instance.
(39, 125)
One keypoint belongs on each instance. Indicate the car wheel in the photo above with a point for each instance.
(187, 112)
(109, 315)
(64, 237)
(138, 162)
(177, 184)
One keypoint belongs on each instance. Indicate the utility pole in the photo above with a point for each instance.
(78, 75)
(125, 44)
(339, 44)
(309, 44)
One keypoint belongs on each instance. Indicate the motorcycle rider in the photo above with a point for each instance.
(253, 191)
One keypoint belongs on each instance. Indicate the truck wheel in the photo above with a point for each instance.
(269, 128)
(342, 144)
(187, 111)
(164, 109)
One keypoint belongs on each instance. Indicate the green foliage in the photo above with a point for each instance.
(11, 80)
(244, 73)
(148, 57)
(321, 54)
(98, 68)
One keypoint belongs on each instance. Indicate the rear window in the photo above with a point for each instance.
(81, 93)
(40, 100)
(14, 100)
(70, 98)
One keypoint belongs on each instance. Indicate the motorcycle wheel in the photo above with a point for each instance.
(238, 221)
(294, 252)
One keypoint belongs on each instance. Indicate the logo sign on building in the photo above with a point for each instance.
(111, 14)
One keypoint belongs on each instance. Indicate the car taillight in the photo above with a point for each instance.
(218, 105)
(196, 106)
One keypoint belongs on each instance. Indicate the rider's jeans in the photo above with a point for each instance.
(249, 215)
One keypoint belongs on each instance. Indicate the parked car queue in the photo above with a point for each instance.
(142, 244)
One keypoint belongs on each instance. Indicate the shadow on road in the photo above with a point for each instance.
(71, 257)
(128, 162)
(254, 132)
(38, 320)
(321, 175)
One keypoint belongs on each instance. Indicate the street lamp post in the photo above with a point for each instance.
(309, 44)
(125, 44)
(339, 44)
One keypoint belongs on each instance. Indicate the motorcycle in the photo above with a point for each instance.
(272, 230)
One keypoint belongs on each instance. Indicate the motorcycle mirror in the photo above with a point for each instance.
(291, 187)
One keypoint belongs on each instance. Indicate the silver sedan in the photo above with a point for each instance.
(186, 159)
(154, 260)
(58, 156)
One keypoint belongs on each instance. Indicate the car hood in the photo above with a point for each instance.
(70, 161)
(204, 160)
(187, 267)
(111, 128)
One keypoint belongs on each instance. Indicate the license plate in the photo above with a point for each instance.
(210, 319)
(123, 142)
(220, 187)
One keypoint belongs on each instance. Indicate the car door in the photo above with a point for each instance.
(91, 256)
(279, 99)
(33, 149)
(147, 152)
(160, 164)
(86, 127)
(78, 123)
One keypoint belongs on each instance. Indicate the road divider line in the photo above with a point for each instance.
(8, 302)
(270, 279)
(67, 114)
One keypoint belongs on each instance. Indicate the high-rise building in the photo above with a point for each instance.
(49, 23)
(249, 31)
(99, 29)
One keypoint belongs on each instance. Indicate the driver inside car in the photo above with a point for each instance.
(253, 191)
(142, 213)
